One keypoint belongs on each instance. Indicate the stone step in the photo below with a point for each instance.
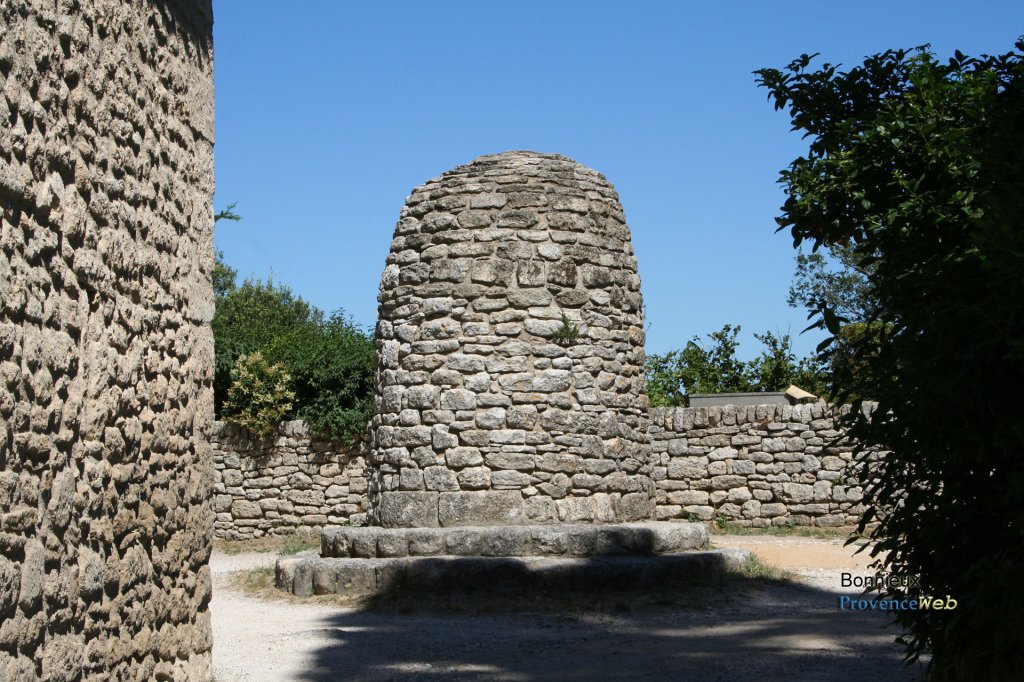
(309, 573)
(570, 540)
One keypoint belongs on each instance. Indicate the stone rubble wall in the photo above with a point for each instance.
(752, 465)
(755, 465)
(483, 417)
(106, 353)
(285, 484)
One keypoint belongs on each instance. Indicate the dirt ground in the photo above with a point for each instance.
(751, 630)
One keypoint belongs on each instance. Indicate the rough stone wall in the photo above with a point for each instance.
(106, 230)
(289, 483)
(752, 465)
(755, 465)
(482, 418)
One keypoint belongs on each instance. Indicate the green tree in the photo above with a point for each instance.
(918, 166)
(697, 368)
(332, 363)
(777, 367)
(714, 368)
(329, 360)
(839, 282)
(224, 275)
(248, 318)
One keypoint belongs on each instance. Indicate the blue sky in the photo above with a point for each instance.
(330, 112)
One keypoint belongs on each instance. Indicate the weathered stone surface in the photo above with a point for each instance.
(409, 509)
(557, 248)
(261, 483)
(483, 508)
(106, 353)
(694, 476)
(744, 463)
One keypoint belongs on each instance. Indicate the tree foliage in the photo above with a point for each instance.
(329, 360)
(249, 318)
(839, 282)
(714, 368)
(917, 167)
(332, 363)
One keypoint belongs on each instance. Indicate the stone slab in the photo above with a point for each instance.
(570, 540)
(481, 508)
(744, 399)
(408, 509)
(308, 573)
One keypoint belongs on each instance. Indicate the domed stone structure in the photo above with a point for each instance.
(510, 384)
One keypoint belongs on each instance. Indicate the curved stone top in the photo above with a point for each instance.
(510, 352)
(508, 159)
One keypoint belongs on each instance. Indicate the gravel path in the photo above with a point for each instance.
(790, 632)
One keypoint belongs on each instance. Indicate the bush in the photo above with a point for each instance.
(259, 397)
(330, 360)
(248, 319)
(332, 364)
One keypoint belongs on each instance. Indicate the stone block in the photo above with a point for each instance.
(409, 509)
(592, 508)
(245, 509)
(798, 492)
(506, 480)
(440, 478)
(483, 508)
(519, 461)
(774, 509)
(634, 507)
(461, 457)
(474, 478)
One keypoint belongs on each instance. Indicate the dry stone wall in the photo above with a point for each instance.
(751, 465)
(106, 253)
(755, 465)
(288, 483)
(483, 417)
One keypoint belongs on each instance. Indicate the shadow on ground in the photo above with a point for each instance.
(746, 629)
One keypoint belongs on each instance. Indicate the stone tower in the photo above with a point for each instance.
(510, 384)
(106, 354)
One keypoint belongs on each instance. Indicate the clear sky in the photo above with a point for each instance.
(330, 112)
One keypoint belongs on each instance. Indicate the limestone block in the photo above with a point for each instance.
(483, 508)
(440, 478)
(244, 509)
(409, 509)
(594, 508)
(474, 478)
(798, 492)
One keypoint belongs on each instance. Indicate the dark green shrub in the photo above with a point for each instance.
(918, 165)
(332, 364)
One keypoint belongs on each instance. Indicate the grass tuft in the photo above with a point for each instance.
(722, 526)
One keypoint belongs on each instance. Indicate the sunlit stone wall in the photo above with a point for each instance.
(106, 354)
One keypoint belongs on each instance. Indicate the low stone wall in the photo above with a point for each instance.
(287, 483)
(755, 465)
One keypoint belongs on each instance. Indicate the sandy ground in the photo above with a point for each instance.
(786, 631)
